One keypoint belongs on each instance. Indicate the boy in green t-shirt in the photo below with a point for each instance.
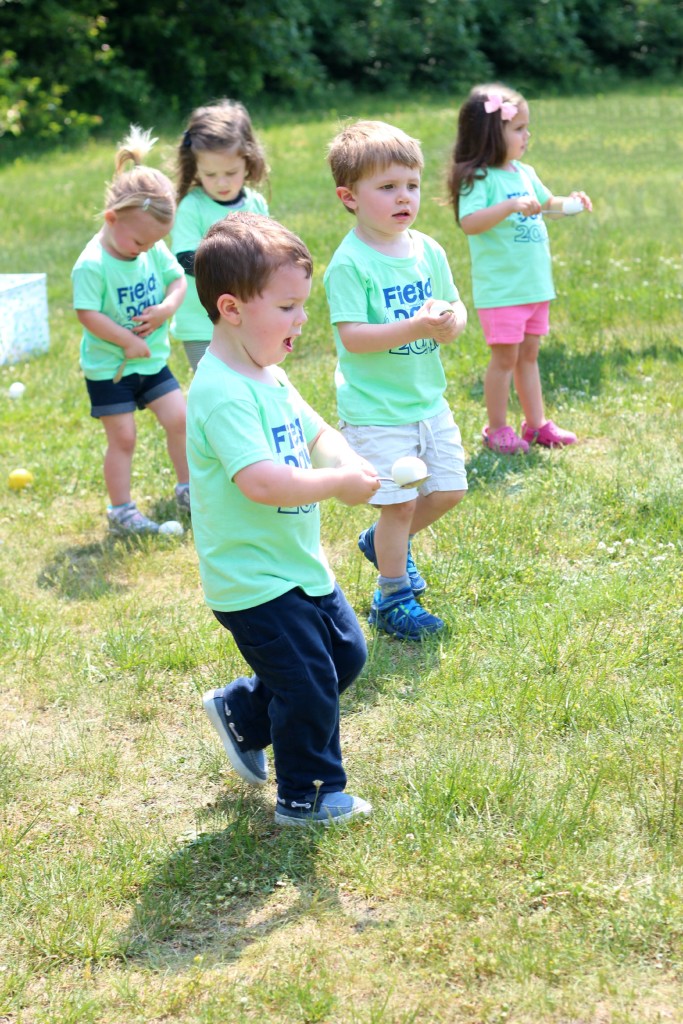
(382, 284)
(261, 459)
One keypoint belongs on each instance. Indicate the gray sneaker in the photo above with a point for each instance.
(125, 520)
(250, 765)
(182, 498)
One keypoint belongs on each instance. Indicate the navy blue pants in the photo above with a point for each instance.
(304, 651)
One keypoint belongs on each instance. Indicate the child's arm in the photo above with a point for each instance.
(331, 450)
(103, 327)
(363, 337)
(153, 317)
(555, 203)
(486, 218)
(338, 473)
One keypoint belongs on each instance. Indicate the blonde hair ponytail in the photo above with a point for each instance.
(141, 187)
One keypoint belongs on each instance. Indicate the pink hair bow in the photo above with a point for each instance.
(495, 102)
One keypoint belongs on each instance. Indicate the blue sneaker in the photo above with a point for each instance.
(366, 543)
(249, 764)
(401, 616)
(330, 809)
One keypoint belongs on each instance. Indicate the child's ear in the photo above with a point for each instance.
(110, 217)
(347, 197)
(228, 307)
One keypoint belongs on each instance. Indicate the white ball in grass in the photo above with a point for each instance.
(572, 205)
(408, 470)
(172, 528)
(16, 389)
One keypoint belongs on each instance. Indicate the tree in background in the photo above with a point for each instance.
(67, 66)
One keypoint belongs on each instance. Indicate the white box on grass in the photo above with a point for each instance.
(24, 330)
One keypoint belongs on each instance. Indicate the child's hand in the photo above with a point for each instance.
(528, 206)
(149, 320)
(136, 348)
(444, 326)
(357, 484)
(585, 201)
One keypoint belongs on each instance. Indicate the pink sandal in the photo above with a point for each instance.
(549, 435)
(504, 441)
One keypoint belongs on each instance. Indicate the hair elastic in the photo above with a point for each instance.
(146, 203)
(187, 140)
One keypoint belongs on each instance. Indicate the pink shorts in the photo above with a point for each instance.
(507, 325)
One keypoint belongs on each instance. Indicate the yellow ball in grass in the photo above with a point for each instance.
(20, 478)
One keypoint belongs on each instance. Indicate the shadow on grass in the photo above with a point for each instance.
(87, 572)
(584, 373)
(238, 879)
(564, 373)
(84, 572)
(565, 369)
(487, 469)
(394, 668)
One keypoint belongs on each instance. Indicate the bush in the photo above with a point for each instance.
(26, 107)
(402, 44)
(70, 68)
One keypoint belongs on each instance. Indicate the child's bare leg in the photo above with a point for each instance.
(502, 362)
(432, 506)
(170, 411)
(118, 459)
(391, 538)
(528, 381)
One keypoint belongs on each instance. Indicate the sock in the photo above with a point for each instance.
(389, 585)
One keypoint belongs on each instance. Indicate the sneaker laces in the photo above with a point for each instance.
(416, 580)
(401, 609)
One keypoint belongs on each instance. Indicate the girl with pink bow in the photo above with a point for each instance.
(499, 201)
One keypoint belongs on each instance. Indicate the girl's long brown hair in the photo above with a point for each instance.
(222, 125)
(480, 142)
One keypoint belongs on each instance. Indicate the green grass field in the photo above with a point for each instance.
(524, 860)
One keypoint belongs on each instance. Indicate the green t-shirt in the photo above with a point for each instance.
(511, 261)
(196, 213)
(404, 384)
(122, 289)
(250, 553)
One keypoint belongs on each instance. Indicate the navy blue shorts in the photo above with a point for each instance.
(134, 391)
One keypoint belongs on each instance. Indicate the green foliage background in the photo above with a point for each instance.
(68, 67)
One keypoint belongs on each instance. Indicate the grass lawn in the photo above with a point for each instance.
(523, 863)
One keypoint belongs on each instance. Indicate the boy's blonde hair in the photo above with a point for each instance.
(365, 147)
(141, 187)
(239, 254)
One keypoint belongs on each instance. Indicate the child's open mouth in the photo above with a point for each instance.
(289, 344)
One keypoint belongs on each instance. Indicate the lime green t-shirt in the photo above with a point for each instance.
(511, 263)
(250, 553)
(404, 384)
(196, 213)
(122, 289)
